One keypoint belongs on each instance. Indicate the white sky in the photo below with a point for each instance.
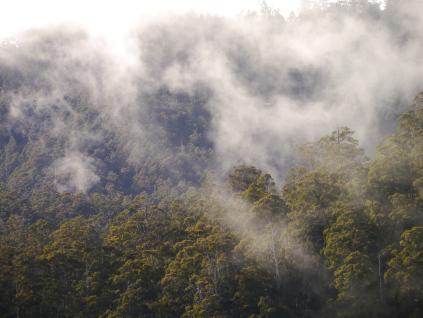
(114, 16)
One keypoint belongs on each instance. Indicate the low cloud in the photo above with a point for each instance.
(263, 84)
(74, 172)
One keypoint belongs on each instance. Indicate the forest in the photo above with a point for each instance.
(165, 189)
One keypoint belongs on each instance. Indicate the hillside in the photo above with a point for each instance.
(253, 167)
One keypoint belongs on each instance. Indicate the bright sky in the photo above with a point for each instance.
(114, 16)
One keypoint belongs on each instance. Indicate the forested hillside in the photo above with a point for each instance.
(222, 172)
(342, 237)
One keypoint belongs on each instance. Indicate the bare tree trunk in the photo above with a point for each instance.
(274, 256)
(380, 278)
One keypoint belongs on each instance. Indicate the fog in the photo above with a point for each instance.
(263, 84)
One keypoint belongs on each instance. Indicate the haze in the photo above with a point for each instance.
(112, 17)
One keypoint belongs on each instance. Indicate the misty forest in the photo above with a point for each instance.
(255, 166)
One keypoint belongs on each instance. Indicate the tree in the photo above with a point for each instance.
(75, 285)
(405, 271)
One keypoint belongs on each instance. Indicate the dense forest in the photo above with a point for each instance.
(343, 237)
(138, 192)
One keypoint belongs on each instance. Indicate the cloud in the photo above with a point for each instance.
(74, 172)
(278, 84)
(263, 85)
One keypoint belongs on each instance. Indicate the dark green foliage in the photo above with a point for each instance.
(342, 239)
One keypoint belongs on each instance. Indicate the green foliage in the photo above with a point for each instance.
(242, 177)
(342, 239)
(309, 196)
(405, 269)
